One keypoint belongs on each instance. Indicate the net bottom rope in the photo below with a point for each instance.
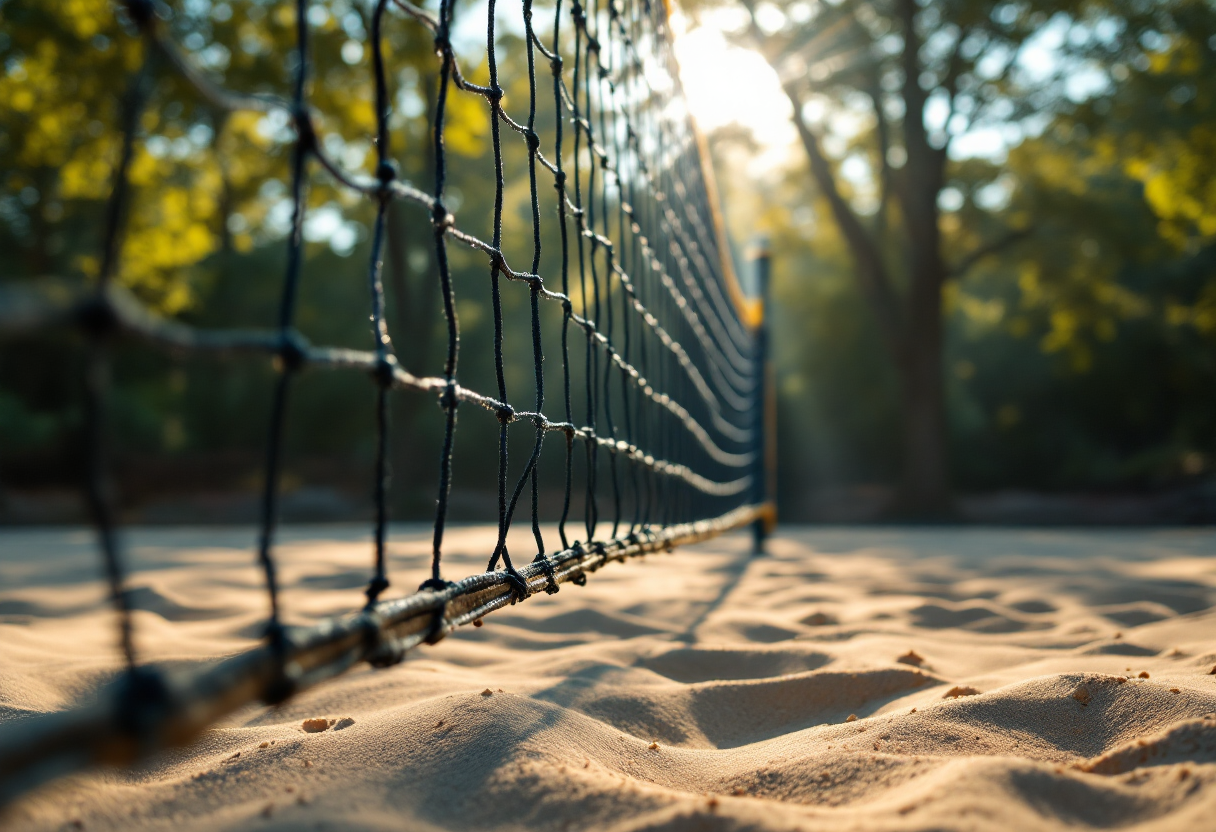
(147, 709)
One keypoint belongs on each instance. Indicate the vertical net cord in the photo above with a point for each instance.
(593, 379)
(559, 185)
(385, 360)
(290, 357)
(625, 257)
(440, 221)
(530, 470)
(534, 290)
(646, 434)
(505, 413)
(97, 370)
(603, 80)
(590, 510)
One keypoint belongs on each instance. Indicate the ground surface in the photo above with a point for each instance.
(1000, 680)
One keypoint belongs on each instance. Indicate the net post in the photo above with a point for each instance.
(764, 410)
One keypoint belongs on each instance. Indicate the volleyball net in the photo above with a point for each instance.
(660, 416)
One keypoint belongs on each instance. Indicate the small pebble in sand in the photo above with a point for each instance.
(851, 718)
(1143, 674)
(912, 711)
(344, 722)
(290, 789)
(654, 746)
(308, 764)
(712, 803)
(1081, 694)
(477, 623)
(739, 791)
(960, 690)
(1211, 672)
(264, 744)
(315, 724)
(819, 619)
(487, 692)
(439, 724)
(1175, 690)
(1118, 635)
(234, 756)
(78, 824)
(268, 810)
(911, 657)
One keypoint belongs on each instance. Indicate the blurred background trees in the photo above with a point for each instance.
(1014, 288)
(1047, 201)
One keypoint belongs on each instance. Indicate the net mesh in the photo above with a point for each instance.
(660, 381)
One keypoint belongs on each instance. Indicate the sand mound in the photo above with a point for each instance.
(866, 680)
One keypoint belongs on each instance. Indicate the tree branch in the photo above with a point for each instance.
(954, 70)
(871, 272)
(883, 129)
(992, 247)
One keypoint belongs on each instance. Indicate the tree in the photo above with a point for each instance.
(917, 75)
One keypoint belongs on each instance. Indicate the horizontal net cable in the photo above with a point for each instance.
(128, 721)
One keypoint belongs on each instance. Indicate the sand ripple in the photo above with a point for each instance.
(997, 680)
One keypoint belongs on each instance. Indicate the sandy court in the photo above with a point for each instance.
(850, 679)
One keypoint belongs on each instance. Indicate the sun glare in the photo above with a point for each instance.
(726, 84)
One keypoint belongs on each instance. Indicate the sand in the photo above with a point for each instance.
(864, 679)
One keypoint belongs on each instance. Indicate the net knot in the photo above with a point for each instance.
(448, 399)
(555, 64)
(141, 12)
(97, 316)
(385, 371)
(495, 95)
(440, 218)
(551, 587)
(144, 696)
(293, 351)
(533, 141)
(519, 586)
(435, 585)
(559, 180)
(386, 172)
(374, 587)
(505, 413)
(306, 133)
(286, 677)
(437, 630)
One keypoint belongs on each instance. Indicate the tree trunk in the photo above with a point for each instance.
(924, 488)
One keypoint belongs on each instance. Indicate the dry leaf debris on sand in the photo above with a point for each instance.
(973, 684)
